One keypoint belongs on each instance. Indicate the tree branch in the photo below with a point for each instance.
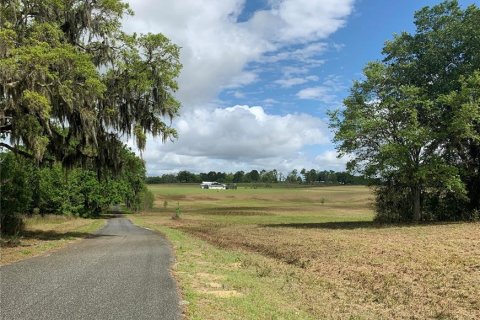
(21, 152)
(5, 128)
(15, 150)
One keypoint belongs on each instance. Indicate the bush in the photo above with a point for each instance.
(11, 223)
(177, 213)
(79, 191)
(392, 204)
(15, 191)
(146, 199)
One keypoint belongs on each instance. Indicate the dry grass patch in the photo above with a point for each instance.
(333, 259)
(45, 234)
(399, 272)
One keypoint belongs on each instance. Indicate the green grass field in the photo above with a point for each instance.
(312, 253)
(267, 205)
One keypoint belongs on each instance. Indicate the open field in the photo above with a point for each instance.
(45, 234)
(313, 253)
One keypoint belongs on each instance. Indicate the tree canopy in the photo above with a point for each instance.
(73, 83)
(413, 122)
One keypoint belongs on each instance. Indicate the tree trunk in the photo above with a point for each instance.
(473, 181)
(473, 191)
(417, 213)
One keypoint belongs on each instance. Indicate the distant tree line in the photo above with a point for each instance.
(303, 176)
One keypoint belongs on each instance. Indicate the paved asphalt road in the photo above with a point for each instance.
(122, 272)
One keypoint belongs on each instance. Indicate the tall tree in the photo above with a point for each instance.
(238, 176)
(72, 82)
(252, 176)
(311, 176)
(292, 177)
(440, 58)
(412, 123)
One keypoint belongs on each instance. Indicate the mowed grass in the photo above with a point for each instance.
(304, 253)
(44, 234)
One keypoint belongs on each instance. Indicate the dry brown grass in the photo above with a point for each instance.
(345, 265)
(401, 272)
(44, 234)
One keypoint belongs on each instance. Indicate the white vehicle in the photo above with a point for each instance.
(213, 185)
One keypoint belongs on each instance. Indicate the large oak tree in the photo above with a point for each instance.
(72, 83)
(413, 123)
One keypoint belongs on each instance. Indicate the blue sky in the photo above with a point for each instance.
(259, 76)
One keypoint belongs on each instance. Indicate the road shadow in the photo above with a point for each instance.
(110, 215)
(16, 241)
(351, 225)
(52, 235)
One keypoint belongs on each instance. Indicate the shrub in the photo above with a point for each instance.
(146, 199)
(11, 223)
(177, 213)
(16, 195)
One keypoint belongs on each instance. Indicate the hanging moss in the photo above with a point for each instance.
(73, 82)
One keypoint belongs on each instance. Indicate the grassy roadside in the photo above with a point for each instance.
(44, 235)
(223, 284)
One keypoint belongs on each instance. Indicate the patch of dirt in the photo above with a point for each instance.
(223, 293)
(234, 266)
(214, 285)
(208, 276)
(234, 211)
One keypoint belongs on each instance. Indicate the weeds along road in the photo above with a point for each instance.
(121, 272)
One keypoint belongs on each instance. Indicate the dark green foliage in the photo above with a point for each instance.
(78, 191)
(188, 177)
(252, 176)
(413, 124)
(238, 176)
(16, 195)
(11, 223)
(147, 199)
(392, 203)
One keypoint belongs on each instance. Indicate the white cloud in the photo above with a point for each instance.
(303, 54)
(299, 21)
(326, 93)
(312, 78)
(310, 20)
(329, 159)
(317, 93)
(215, 53)
(242, 79)
(240, 134)
(289, 71)
(239, 94)
(270, 102)
(290, 82)
(245, 132)
(216, 48)
(167, 162)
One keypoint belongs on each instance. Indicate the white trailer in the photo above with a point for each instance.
(213, 185)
